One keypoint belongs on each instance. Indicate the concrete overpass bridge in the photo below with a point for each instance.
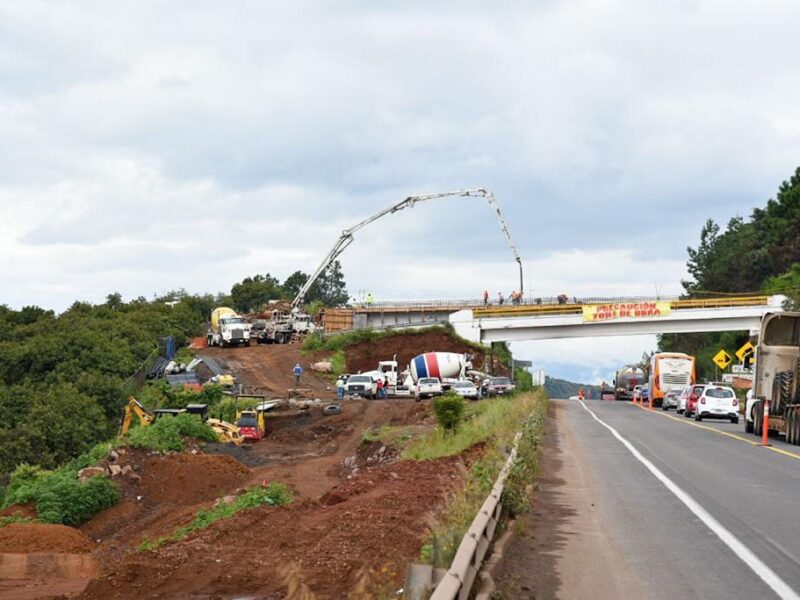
(632, 316)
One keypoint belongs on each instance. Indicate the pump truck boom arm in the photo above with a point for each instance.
(347, 235)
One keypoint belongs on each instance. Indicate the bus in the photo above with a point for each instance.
(670, 371)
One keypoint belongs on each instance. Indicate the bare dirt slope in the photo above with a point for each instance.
(268, 369)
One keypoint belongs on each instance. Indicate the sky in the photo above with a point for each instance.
(146, 147)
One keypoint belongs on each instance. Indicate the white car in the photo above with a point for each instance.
(428, 387)
(670, 400)
(361, 385)
(466, 389)
(717, 402)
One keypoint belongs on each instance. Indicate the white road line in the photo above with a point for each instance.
(778, 585)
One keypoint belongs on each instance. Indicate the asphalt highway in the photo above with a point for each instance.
(649, 505)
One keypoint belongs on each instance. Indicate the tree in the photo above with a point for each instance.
(254, 292)
(332, 288)
(294, 283)
(65, 423)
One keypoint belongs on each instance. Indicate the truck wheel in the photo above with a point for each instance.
(748, 426)
(247, 343)
(790, 427)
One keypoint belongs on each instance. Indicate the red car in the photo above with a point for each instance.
(691, 402)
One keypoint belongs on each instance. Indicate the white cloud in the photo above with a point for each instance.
(145, 147)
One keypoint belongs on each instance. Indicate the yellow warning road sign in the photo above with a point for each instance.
(747, 350)
(722, 359)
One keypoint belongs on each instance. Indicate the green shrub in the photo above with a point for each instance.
(167, 433)
(449, 410)
(58, 495)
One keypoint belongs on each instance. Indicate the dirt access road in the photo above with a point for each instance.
(268, 369)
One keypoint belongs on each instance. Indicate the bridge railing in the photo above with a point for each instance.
(577, 307)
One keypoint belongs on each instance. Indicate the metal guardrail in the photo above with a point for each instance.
(466, 565)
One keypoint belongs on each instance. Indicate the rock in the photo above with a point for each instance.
(323, 366)
(194, 451)
(121, 451)
(113, 456)
(89, 472)
(133, 477)
(127, 469)
(394, 475)
(229, 499)
(114, 470)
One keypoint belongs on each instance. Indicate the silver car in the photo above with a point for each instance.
(671, 400)
(466, 389)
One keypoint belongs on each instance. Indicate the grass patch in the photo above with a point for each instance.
(58, 495)
(274, 494)
(498, 418)
(14, 519)
(167, 433)
(494, 422)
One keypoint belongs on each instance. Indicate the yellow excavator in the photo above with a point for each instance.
(226, 432)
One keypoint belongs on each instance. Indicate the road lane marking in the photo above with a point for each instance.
(686, 421)
(767, 575)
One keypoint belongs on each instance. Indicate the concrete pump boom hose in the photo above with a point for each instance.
(347, 235)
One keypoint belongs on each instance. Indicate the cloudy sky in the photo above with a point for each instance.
(147, 146)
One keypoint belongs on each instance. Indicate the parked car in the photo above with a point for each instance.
(717, 402)
(691, 402)
(637, 392)
(361, 385)
(670, 400)
(499, 386)
(645, 393)
(466, 389)
(683, 398)
(428, 387)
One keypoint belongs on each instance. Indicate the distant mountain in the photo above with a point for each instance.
(561, 388)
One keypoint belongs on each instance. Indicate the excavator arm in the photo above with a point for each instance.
(347, 235)
(133, 409)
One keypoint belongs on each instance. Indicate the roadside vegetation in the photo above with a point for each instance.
(342, 341)
(748, 255)
(274, 494)
(492, 423)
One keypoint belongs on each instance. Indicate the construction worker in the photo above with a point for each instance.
(486, 297)
(298, 370)
(340, 387)
(500, 298)
(370, 299)
(379, 384)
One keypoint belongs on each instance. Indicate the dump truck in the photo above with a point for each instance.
(777, 377)
(627, 378)
(228, 328)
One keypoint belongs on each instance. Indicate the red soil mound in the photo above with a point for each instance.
(170, 488)
(364, 355)
(37, 537)
(189, 478)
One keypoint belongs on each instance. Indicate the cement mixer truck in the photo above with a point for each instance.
(447, 367)
(228, 329)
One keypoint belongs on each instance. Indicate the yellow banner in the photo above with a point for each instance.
(624, 310)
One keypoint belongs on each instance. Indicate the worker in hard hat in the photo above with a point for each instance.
(340, 387)
(370, 299)
(485, 297)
